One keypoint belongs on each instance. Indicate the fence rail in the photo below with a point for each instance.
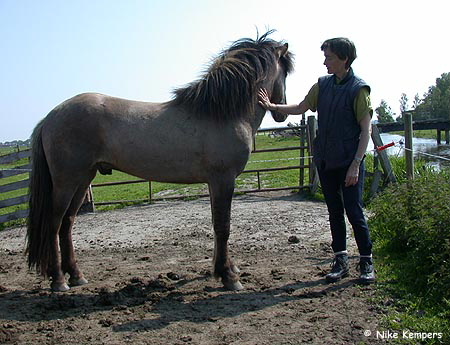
(22, 182)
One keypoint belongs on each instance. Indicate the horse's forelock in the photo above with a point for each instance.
(228, 87)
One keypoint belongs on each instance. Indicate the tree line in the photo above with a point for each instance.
(16, 143)
(435, 104)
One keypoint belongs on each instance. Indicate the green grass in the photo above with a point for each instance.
(405, 310)
(4, 150)
(422, 133)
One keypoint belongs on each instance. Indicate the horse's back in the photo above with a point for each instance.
(92, 117)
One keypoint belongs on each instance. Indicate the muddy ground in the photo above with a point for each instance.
(150, 283)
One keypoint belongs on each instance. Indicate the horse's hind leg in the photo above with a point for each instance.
(61, 200)
(221, 193)
(68, 258)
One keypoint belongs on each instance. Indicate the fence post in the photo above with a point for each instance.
(313, 176)
(301, 175)
(382, 155)
(88, 205)
(408, 145)
(150, 200)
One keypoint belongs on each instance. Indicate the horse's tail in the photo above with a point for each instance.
(40, 207)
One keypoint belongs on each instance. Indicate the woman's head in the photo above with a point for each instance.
(342, 47)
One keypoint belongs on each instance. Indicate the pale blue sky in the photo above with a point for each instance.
(143, 49)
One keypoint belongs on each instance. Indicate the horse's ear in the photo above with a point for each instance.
(282, 50)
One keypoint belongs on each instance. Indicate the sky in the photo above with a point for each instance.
(144, 49)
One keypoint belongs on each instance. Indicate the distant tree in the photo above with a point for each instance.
(403, 103)
(416, 101)
(403, 107)
(436, 102)
(384, 112)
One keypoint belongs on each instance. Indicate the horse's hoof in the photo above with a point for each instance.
(78, 281)
(59, 287)
(233, 286)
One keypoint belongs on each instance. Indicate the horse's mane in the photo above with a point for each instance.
(229, 86)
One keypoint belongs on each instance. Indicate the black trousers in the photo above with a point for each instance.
(342, 199)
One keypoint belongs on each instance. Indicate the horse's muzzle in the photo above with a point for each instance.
(278, 117)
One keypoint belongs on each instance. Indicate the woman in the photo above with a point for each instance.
(342, 102)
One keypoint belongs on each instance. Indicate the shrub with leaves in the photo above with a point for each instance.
(410, 225)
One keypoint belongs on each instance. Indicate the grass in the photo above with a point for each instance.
(422, 133)
(406, 311)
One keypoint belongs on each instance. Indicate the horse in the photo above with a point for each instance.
(202, 135)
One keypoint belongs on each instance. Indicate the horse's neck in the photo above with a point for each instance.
(256, 119)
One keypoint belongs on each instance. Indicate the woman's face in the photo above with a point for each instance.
(334, 64)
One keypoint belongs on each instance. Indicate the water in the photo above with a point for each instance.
(422, 148)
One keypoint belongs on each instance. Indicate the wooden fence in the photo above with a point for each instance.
(19, 174)
(17, 179)
(308, 179)
(439, 125)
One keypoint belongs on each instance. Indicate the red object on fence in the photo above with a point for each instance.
(384, 147)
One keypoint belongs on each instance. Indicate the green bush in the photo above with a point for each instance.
(410, 225)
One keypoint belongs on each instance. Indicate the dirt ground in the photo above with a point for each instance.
(149, 271)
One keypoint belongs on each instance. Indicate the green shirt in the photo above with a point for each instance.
(362, 105)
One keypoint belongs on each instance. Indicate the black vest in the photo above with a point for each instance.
(338, 130)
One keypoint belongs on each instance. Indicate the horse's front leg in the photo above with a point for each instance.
(221, 194)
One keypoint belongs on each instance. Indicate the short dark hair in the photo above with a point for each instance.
(342, 47)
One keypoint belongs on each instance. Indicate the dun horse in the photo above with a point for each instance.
(204, 134)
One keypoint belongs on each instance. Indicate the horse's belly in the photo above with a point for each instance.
(168, 167)
(182, 165)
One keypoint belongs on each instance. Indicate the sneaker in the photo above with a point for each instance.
(339, 269)
(367, 272)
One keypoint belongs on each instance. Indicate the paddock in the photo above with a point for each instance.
(143, 289)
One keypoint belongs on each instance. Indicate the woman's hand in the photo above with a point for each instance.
(285, 109)
(264, 100)
(352, 176)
